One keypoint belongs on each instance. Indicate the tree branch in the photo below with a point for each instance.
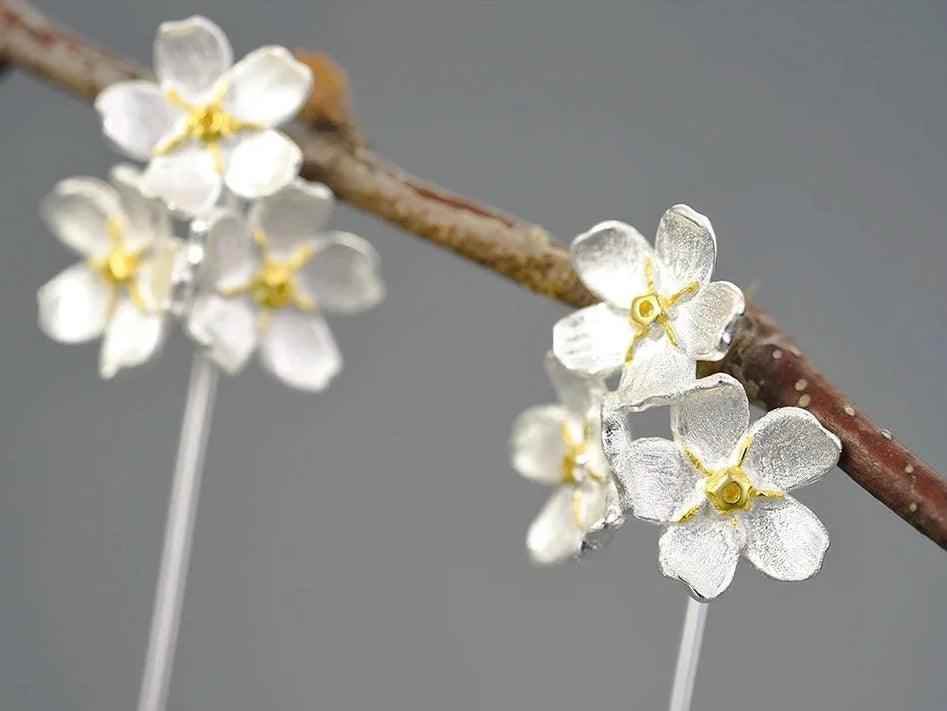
(773, 370)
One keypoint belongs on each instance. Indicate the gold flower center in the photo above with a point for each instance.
(645, 309)
(652, 307)
(730, 489)
(274, 286)
(211, 123)
(119, 267)
(208, 124)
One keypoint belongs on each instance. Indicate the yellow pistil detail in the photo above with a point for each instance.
(729, 489)
(208, 124)
(573, 456)
(575, 460)
(119, 268)
(652, 307)
(274, 285)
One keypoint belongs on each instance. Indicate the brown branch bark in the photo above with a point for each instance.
(773, 370)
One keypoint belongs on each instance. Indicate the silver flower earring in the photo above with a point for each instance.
(721, 486)
(560, 445)
(257, 279)
(660, 312)
(121, 290)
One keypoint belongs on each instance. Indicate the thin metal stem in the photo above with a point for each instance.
(688, 655)
(178, 535)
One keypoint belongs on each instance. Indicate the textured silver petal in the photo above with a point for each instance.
(299, 349)
(230, 258)
(537, 446)
(602, 531)
(262, 164)
(226, 328)
(148, 220)
(74, 305)
(610, 259)
(293, 216)
(78, 212)
(702, 322)
(593, 340)
(785, 540)
(790, 448)
(702, 553)
(686, 248)
(187, 180)
(132, 337)
(267, 87)
(344, 274)
(554, 536)
(711, 419)
(657, 483)
(137, 117)
(190, 56)
(657, 369)
(579, 393)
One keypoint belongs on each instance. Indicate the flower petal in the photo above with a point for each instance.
(147, 219)
(261, 164)
(790, 448)
(190, 56)
(268, 87)
(702, 553)
(656, 481)
(78, 211)
(579, 393)
(137, 116)
(686, 247)
(231, 256)
(343, 274)
(187, 180)
(657, 368)
(537, 443)
(703, 322)
(299, 349)
(131, 338)
(74, 305)
(593, 340)
(155, 277)
(784, 539)
(555, 535)
(600, 533)
(226, 327)
(610, 259)
(293, 216)
(711, 419)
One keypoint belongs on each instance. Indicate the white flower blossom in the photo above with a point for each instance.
(720, 488)
(560, 445)
(271, 275)
(207, 122)
(122, 288)
(661, 313)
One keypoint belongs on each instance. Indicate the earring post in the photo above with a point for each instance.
(178, 535)
(688, 655)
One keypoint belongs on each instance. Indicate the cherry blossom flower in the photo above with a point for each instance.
(208, 122)
(721, 487)
(560, 445)
(661, 313)
(122, 288)
(271, 276)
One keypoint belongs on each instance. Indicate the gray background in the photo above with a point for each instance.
(362, 549)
